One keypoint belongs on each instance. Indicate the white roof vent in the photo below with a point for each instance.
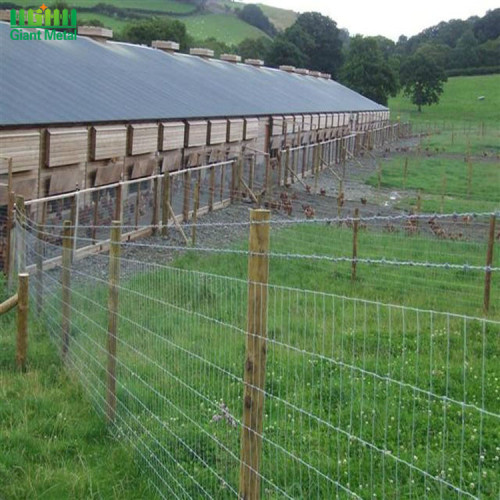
(317, 74)
(201, 52)
(254, 62)
(96, 33)
(326, 76)
(165, 45)
(289, 69)
(230, 58)
(302, 71)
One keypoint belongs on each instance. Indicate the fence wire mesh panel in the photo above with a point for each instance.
(360, 398)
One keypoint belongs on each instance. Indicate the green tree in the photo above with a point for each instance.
(488, 27)
(252, 14)
(284, 52)
(254, 48)
(325, 53)
(147, 30)
(466, 53)
(368, 72)
(422, 79)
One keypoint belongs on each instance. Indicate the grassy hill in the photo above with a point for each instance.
(218, 20)
(459, 102)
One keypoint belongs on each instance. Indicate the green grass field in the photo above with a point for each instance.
(459, 102)
(223, 27)
(152, 5)
(181, 352)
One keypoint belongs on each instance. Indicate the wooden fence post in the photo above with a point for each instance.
(355, 243)
(119, 202)
(165, 204)
(443, 192)
(255, 357)
(195, 208)
(287, 166)
(405, 173)
(8, 222)
(114, 279)
(212, 190)
(187, 194)
(39, 268)
(21, 234)
(22, 321)
(13, 243)
(66, 286)
(154, 219)
(489, 262)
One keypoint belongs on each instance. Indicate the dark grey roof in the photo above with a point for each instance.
(81, 81)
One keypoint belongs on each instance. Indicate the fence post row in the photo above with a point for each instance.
(66, 286)
(255, 356)
(489, 262)
(114, 279)
(22, 321)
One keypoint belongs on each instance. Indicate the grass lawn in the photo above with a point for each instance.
(430, 174)
(153, 5)
(181, 356)
(223, 27)
(53, 445)
(458, 103)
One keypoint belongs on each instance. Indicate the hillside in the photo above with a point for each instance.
(218, 20)
(459, 101)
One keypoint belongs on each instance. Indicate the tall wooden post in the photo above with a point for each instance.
(22, 321)
(21, 240)
(195, 209)
(114, 279)
(405, 172)
(187, 194)
(165, 204)
(287, 166)
(355, 226)
(211, 195)
(119, 202)
(39, 251)
(12, 243)
(66, 286)
(8, 222)
(155, 216)
(489, 262)
(443, 192)
(255, 357)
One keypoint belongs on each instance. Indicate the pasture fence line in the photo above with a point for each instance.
(242, 384)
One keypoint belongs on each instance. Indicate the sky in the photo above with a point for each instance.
(389, 18)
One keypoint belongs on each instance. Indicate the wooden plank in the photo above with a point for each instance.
(235, 130)
(64, 182)
(196, 133)
(108, 174)
(143, 168)
(171, 161)
(217, 131)
(277, 123)
(306, 122)
(108, 141)
(23, 146)
(66, 146)
(251, 128)
(173, 134)
(27, 188)
(322, 121)
(143, 138)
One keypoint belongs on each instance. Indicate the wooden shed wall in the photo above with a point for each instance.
(143, 138)
(172, 136)
(23, 146)
(108, 141)
(66, 146)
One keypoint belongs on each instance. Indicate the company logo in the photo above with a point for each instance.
(57, 24)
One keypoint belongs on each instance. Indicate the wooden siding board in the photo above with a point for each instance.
(23, 147)
(251, 128)
(143, 138)
(173, 134)
(66, 146)
(108, 141)
(277, 125)
(196, 133)
(217, 131)
(235, 129)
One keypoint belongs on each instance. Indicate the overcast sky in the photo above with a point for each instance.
(390, 18)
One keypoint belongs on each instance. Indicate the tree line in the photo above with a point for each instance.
(376, 67)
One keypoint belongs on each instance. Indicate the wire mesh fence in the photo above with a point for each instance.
(288, 383)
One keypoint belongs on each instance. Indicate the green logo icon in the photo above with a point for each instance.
(58, 24)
